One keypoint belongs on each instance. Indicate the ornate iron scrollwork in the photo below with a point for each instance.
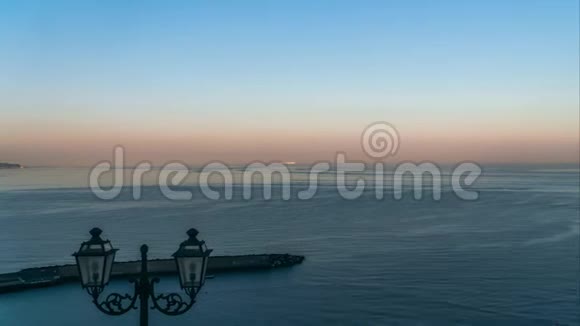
(171, 304)
(115, 304)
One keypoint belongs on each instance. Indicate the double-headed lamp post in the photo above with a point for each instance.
(95, 262)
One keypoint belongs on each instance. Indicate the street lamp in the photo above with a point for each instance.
(95, 262)
(191, 259)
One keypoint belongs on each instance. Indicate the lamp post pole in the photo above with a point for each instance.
(95, 262)
(144, 285)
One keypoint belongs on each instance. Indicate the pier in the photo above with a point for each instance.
(53, 275)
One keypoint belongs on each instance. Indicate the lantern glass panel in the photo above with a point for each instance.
(108, 267)
(190, 271)
(91, 269)
(205, 259)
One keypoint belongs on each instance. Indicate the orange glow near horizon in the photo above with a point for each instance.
(74, 146)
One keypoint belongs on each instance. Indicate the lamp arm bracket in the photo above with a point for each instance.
(171, 304)
(114, 304)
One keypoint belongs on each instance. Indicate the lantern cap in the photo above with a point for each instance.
(192, 246)
(96, 245)
(192, 233)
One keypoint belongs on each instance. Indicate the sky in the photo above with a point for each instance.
(240, 81)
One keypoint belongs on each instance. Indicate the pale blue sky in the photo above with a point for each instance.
(288, 64)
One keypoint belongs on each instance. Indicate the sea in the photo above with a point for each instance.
(511, 257)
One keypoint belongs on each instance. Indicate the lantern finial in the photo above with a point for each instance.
(192, 233)
(96, 232)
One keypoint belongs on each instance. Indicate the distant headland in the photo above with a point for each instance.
(10, 166)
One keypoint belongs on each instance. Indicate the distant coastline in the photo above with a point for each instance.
(10, 166)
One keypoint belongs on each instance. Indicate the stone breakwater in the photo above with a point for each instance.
(53, 275)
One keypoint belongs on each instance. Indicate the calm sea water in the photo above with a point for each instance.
(511, 257)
